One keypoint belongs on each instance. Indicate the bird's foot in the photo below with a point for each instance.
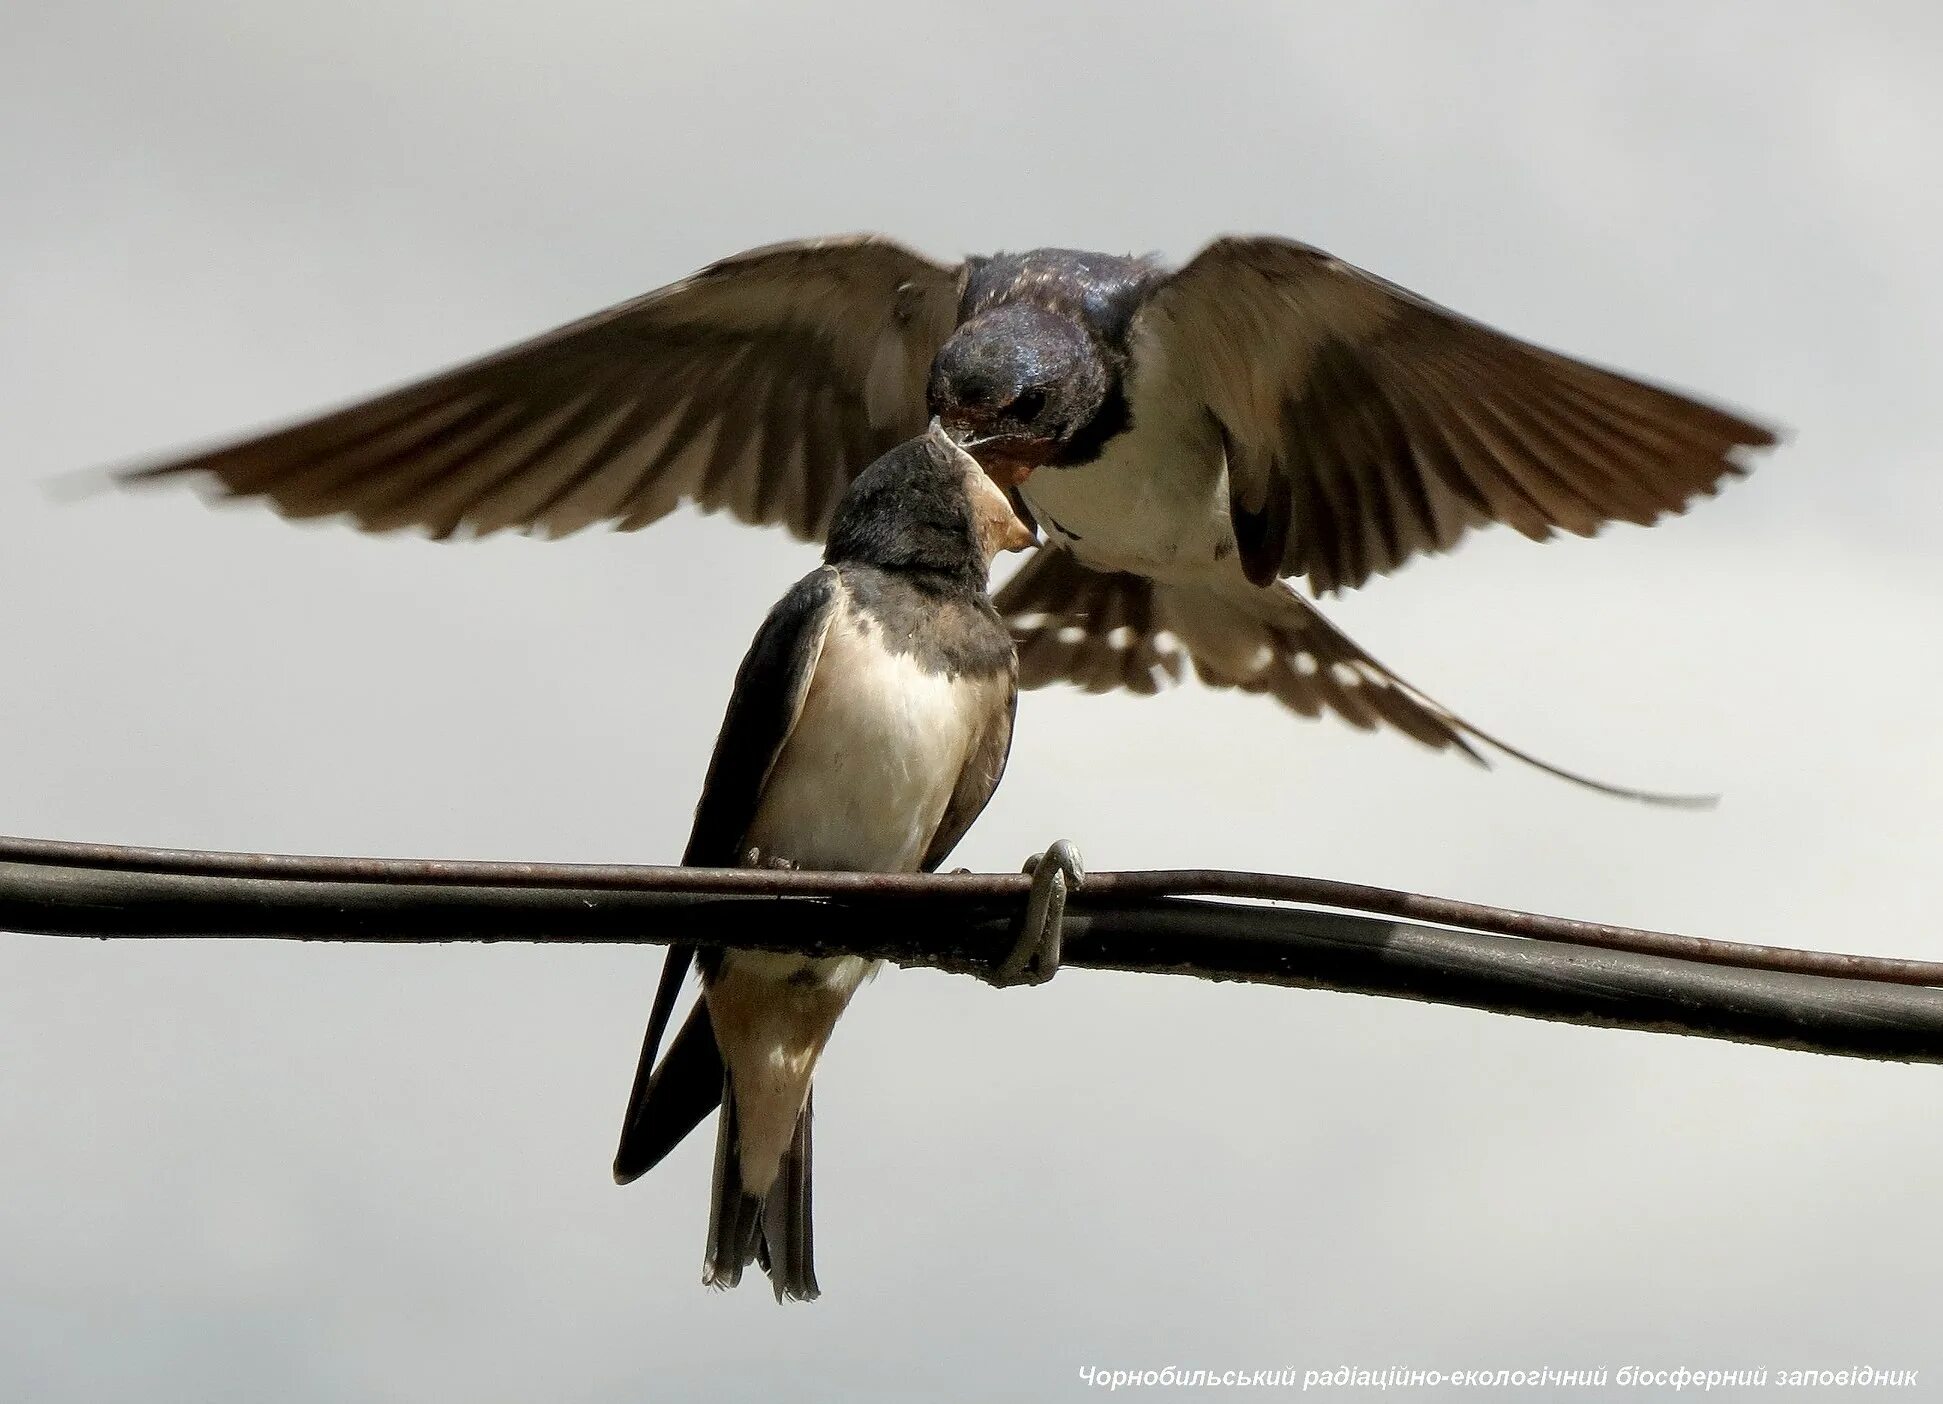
(756, 858)
(1034, 958)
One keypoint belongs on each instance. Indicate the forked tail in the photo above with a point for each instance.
(772, 1230)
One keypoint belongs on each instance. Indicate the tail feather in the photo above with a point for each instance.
(788, 1254)
(1104, 630)
(734, 1218)
(772, 1230)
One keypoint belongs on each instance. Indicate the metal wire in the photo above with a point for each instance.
(1160, 922)
(1100, 886)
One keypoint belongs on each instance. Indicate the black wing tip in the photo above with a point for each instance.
(129, 475)
(628, 1169)
(1738, 429)
(206, 481)
(86, 484)
(639, 1153)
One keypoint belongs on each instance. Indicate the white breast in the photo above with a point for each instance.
(873, 759)
(1156, 502)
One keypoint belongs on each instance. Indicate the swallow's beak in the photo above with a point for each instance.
(1000, 525)
(1018, 536)
(1008, 457)
(1005, 470)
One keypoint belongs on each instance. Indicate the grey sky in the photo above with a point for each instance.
(330, 1173)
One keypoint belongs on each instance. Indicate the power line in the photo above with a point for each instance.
(1210, 924)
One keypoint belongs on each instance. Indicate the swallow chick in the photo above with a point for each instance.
(1203, 434)
(869, 725)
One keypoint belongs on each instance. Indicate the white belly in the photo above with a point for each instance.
(864, 778)
(872, 762)
(1155, 503)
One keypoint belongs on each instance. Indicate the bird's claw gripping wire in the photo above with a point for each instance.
(1034, 958)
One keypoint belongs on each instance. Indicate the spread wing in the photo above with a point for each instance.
(760, 385)
(1108, 631)
(1364, 425)
(667, 1102)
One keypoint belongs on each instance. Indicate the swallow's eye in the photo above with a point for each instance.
(1026, 407)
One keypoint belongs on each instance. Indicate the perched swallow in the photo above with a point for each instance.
(1202, 433)
(869, 725)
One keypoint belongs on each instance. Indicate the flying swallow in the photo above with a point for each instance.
(869, 725)
(1204, 433)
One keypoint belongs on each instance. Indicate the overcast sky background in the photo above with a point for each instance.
(264, 1171)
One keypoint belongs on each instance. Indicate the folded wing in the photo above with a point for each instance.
(670, 1097)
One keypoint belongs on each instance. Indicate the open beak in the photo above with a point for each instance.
(1007, 472)
(1007, 458)
(1003, 528)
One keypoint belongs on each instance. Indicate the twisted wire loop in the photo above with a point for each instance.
(1035, 959)
(1016, 928)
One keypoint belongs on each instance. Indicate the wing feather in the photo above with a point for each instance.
(625, 414)
(1385, 426)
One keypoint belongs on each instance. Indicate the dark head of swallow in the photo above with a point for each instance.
(1017, 382)
(926, 508)
(1032, 376)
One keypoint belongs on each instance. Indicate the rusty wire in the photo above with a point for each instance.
(1212, 924)
(891, 887)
